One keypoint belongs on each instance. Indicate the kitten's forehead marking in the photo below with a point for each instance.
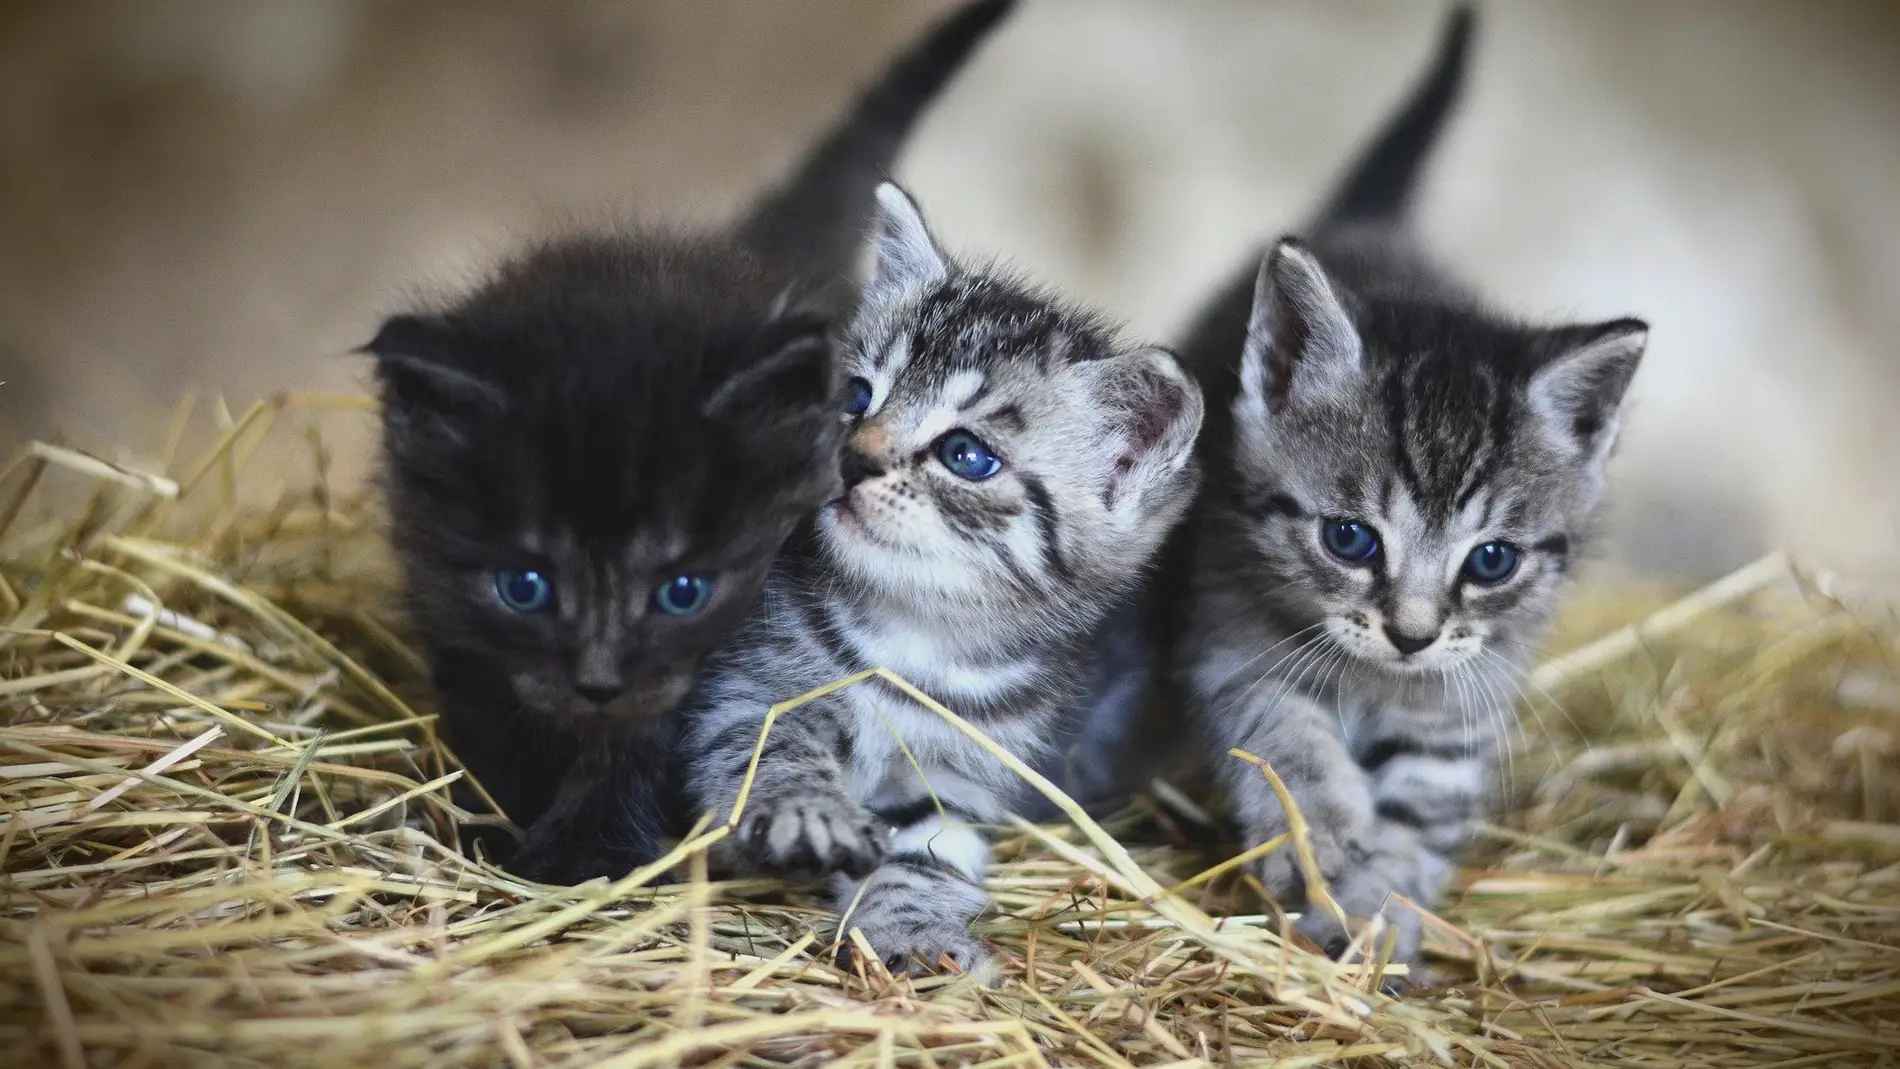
(1406, 532)
(642, 550)
(934, 403)
(965, 388)
(1414, 543)
(648, 548)
(1467, 530)
(1448, 425)
(896, 354)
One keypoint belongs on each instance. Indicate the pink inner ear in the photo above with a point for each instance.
(1149, 423)
(1142, 427)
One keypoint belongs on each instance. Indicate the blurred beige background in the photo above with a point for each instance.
(228, 193)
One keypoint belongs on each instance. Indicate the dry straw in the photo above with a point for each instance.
(227, 839)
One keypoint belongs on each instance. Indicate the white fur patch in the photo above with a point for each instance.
(959, 846)
(1410, 773)
(962, 387)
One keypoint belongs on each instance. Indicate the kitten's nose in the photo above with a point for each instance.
(855, 467)
(599, 695)
(1408, 644)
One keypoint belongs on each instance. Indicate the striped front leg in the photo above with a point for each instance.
(799, 820)
(1425, 793)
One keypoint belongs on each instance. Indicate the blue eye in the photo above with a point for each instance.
(683, 595)
(1349, 540)
(857, 397)
(967, 457)
(524, 591)
(1491, 563)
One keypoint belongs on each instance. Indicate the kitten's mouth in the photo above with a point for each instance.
(1379, 656)
(1424, 663)
(643, 699)
(845, 518)
(1403, 665)
(646, 699)
(843, 513)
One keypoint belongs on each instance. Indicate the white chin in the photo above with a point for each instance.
(851, 540)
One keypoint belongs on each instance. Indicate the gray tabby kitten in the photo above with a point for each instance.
(1011, 469)
(1394, 502)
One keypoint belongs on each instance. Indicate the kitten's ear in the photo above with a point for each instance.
(793, 375)
(1578, 393)
(414, 359)
(1153, 413)
(1301, 344)
(907, 256)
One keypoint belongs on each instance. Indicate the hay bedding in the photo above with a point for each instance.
(227, 840)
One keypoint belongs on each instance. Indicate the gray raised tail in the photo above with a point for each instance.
(1380, 184)
(816, 220)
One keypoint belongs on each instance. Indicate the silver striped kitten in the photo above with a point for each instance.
(1012, 468)
(1398, 481)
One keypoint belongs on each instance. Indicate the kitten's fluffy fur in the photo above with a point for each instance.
(986, 593)
(1370, 388)
(610, 412)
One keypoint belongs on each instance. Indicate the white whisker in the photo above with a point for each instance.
(1296, 655)
(1517, 674)
(1499, 720)
(1256, 658)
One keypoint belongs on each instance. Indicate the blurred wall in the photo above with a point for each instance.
(228, 193)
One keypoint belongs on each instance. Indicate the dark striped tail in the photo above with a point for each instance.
(816, 220)
(1381, 182)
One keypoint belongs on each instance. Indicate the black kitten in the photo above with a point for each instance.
(592, 459)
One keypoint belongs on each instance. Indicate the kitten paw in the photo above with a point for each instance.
(805, 838)
(918, 945)
(1402, 929)
(1280, 873)
(917, 920)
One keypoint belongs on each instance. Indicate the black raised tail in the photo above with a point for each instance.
(817, 218)
(1381, 182)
